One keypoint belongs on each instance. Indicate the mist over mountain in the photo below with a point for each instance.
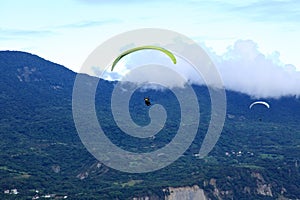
(243, 68)
(256, 157)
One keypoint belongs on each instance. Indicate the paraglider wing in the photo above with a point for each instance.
(259, 102)
(168, 53)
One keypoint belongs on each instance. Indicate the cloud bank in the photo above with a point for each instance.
(243, 68)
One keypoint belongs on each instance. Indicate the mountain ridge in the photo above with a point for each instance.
(40, 148)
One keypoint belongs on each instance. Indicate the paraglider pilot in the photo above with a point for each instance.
(147, 101)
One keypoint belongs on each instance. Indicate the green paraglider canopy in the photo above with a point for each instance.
(168, 53)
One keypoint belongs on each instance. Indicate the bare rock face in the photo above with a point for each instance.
(263, 188)
(28, 74)
(187, 193)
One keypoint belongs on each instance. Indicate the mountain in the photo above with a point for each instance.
(41, 155)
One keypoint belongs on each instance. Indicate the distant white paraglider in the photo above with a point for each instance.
(259, 102)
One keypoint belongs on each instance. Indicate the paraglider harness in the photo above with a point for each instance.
(147, 101)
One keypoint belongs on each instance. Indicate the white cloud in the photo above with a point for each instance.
(243, 68)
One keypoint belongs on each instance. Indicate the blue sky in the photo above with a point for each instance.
(67, 31)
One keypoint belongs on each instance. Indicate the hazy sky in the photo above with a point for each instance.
(233, 32)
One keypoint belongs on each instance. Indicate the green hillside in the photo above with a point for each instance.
(256, 157)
